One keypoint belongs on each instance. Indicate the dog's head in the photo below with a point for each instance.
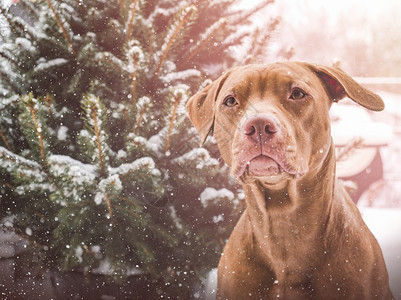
(271, 122)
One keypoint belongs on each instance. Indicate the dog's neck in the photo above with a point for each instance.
(297, 202)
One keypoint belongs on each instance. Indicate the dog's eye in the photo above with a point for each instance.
(297, 94)
(230, 101)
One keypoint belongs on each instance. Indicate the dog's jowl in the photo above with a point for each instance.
(301, 236)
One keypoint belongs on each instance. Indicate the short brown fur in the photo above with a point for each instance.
(301, 236)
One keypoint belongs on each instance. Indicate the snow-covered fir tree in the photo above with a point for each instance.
(98, 161)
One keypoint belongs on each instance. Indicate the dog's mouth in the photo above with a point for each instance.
(263, 166)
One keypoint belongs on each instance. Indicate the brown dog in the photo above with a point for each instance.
(301, 236)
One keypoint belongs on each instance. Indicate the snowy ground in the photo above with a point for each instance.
(385, 224)
(381, 206)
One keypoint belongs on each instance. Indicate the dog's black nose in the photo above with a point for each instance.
(261, 126)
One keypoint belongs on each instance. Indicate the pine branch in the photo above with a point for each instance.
(173, 34)
(96, 129)
(10, 59)
(177, 100)
(114, 61)
(244, 17)
(238, 18)
(131, 20)
(209, 34)
(139, 119)
(9, 22)
(4, 77)
(32, 240)
(18, 160)
(5, 141)
(11, 101)
(3, 155)
(128, 202)
(24, 27)
(11, 187)
(48, 102)
(128, 211)
(109, 208)
(29, 7)
(266, 34)
(64, 31)
(133, 85)
(151, 49)
(70, 206)
(135, 58)
(38, 131)
(230, 40)
(121, 3)
(184, 144)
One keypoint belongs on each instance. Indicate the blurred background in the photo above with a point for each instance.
(352, 31)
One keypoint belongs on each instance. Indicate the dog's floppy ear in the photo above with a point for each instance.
(339, 85)
(200, 107)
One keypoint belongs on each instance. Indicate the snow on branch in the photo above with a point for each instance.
(137, 143)
(73, 179)
(184, 18)
(142, 105)
(158, 11)
(135, 55)
(45, 65)
(6, 102)
(25, 44)
(135, 58)
(180, 76)
(79, 172)
(112, 59)
(200, 156)
(140, 163)
(209, 195)
(9, 160)
(5, 16)
(106, 187)
(29, 173)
